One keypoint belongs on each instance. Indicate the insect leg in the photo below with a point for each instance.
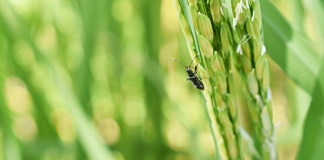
(202, 78)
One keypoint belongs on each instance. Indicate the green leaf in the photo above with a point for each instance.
(297, 14)
(317, 7)
(86, 133)
(290, 49)
(312, 145)
(11, 145)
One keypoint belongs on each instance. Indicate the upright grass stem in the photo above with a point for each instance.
(252, 65)
(218, 36)
(215, 42)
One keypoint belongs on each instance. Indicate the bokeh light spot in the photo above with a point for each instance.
(24, 7)
(24, 127)
(134, 113)
(169, 17)
(17, 96)
(75, 52)
(24, 55)
(122, 10)
(167, 51)
(64, 124)
(206, 144)
(108, 130)
(177, 136)
(102, 108)
(119, 156)
(66, 20)
(46, 38)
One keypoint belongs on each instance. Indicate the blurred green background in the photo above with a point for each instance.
(94, 80)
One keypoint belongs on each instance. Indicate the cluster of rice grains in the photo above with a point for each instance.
(221, 35)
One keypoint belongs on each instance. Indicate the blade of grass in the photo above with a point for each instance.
(289, 48)
(312, 145)
(297, 14)
(317, 7)
(89, 13)
(86, 133)
(11, 146)
(152, 38)
(12, 149)
(185, 9)
(299, 102)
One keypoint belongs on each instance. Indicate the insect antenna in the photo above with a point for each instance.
(193, 60)
(179, 62)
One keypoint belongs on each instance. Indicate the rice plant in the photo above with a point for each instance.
(213, 46)
(93, 79)
(253, 67)
(218, 36)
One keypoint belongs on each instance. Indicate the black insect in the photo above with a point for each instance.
(196, 81)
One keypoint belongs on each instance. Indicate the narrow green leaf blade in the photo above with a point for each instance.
(87, 135)
(312, 145)
(185, 10)
(317, 7)
(297, 13)
(290, 49)
(11, 147)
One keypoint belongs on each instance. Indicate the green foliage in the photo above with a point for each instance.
(287, 47)
(87, 136)
(94, 79)
(312, 145)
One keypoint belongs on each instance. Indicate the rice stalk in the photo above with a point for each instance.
(253, 67)
(214, 36)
